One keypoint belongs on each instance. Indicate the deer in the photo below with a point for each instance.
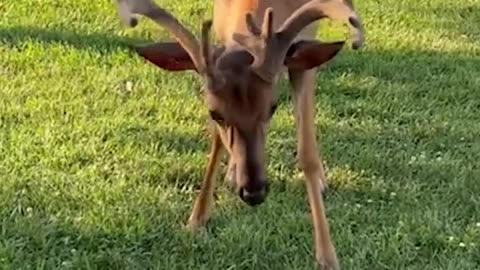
(259, 41)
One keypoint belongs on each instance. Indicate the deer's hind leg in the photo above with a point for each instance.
(205, 199)
(303, 93)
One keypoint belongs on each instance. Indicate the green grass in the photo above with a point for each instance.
(97, 175)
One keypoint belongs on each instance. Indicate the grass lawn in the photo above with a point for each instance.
(101, 154)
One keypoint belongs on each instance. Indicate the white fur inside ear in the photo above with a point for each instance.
(126, 15)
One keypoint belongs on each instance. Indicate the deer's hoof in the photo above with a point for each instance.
(196, 224)
(324, 265)
(327, 262)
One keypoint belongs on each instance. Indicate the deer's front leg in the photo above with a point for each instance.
(204, 202)
(303, 93)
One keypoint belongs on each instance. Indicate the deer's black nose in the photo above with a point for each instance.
(255, 195)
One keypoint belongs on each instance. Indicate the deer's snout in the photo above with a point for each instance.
(254, 194)
(357, 32)
(247, 167)
(252, 191)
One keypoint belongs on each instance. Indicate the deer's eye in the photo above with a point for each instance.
(216, 116)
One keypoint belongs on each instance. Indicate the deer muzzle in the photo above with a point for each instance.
(357, 32)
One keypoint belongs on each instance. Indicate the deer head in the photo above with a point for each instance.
(240, 80)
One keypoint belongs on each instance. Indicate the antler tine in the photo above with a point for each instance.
(205, 45)
(251, 25)
(214, 79)
(267, 40)
(267, 26)
(271, 47)
(266, 30)
(259, 42)
(319, 9)
(166, 20)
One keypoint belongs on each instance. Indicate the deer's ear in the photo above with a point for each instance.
(310, 54)
(166, 55)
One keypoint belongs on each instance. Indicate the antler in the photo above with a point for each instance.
(270, 48)
(128, 8)
(199, 51)
(211, 74)
(320, 9)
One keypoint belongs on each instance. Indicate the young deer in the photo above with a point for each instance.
(260, 39)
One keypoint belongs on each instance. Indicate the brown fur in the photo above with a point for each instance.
(259, 39)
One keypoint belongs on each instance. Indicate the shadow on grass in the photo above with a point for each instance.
(418, 74)
(407, 66)
(167, 148)
(174, 140)
(162, 242)
(102, 42)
